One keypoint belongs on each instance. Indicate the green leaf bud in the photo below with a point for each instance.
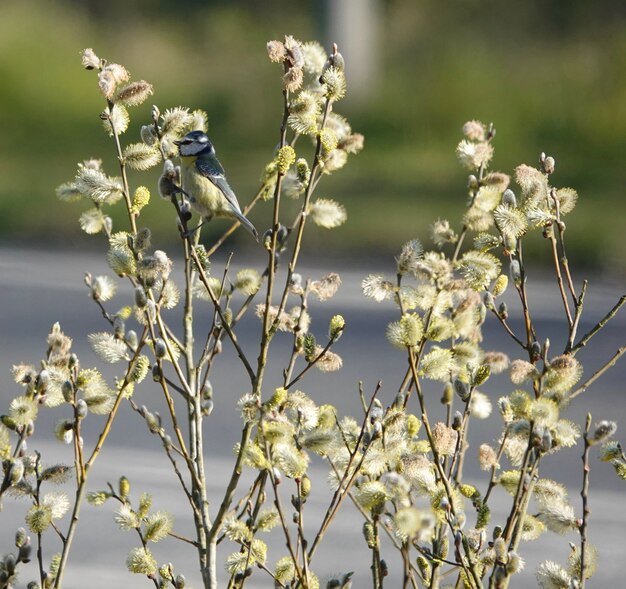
(157, 525)
(97, 497)
(462, 389)
(16, 471)
(141, 561)
(469, 491)
(337, 325)
(203, 257)
(67, 390)
(160, 349)
(157, 374)
(152, 420)
(21, 538)
(145, 504)
(140, 369)
(482, 375)
(310, 347)
(328, 140)
(285, 158)
(503, 310)
(413, 425)
(131, 339)
(141, 198)
(326, 419)
(369, 534)
(39, 518)
(483, 516)
(620, 468)
(81, 409)
(500, 285)
(268, 519)
(303, 171)
(424, 567)
(120, 258)
(166, 572)
(515, 272)
(123, 487)
(278, 398)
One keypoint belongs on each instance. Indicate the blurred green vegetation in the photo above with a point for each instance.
(548, 74)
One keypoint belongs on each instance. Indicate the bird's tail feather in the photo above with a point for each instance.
(247, 224)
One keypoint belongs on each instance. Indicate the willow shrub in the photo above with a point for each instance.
(402, 470)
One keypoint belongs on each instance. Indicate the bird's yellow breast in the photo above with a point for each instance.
(205, 198)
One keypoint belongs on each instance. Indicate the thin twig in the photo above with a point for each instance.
(598, 373)
(578, 312)
(584, 493)
(559, 279)
(508, 329)
(312, 363)
(598, 326)
(227, 328)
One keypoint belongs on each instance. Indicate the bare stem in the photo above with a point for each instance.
(584, 493)
(504, 324)
(598, 373)
(312, 363)
(559, 279)
(598, 326)
(578, 311)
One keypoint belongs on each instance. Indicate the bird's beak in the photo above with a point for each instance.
(177, 142)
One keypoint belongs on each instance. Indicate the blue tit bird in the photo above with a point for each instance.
(204, 181)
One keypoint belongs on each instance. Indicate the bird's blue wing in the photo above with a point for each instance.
(212, 169)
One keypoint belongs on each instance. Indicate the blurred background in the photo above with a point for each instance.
(548, 73)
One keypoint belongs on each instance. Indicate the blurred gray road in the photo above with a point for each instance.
(38, 288)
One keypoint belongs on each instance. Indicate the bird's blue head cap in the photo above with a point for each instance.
(195, 143)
